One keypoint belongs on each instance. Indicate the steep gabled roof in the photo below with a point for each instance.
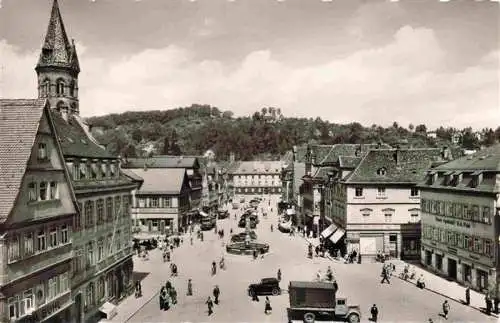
(487, 159)
(57, 50)
(19, 122)
(394, 166)
(161, 180)
(331, 153)
(74, 139)
(349, 161)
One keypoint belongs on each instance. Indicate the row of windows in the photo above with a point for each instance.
(92, 296)
(60, 88)
(29, 243)
(96, 212)
(157, 202)
(471, 243)
(464, 211)
(96, 251)
(24, 303)
(414, 216)
(257, 190)
(43, 191)
(381, 192)
(84, 170)
(248, 177)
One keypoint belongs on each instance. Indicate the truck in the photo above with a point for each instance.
(311, 300)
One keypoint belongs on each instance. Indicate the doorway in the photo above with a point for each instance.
(452, 268)
(428, 258)
(78, 308)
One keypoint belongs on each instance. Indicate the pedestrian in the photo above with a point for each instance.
(467, 295)
(489, 304)
(173, 295)
(446, 309)
(167, 301)
(216, 293)
(214, 268)
(374, 312)
(189, 288)
(191, 240)
(210, 305)
(168, 285)
(279, 275)
(268, 309)
(385, 276)
(162, 298)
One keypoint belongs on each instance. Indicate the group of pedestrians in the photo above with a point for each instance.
(168, 296)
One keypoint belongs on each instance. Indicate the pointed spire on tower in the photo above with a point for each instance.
(57, 51)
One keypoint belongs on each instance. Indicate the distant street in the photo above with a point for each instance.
(397, 302)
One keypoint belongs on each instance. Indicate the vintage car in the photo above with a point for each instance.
(266, 286)
(240, 237)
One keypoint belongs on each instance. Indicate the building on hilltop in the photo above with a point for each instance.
(461, 220)
(37, 208)
(101, 240)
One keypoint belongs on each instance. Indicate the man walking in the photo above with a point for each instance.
(210, 305)
(189, 288)
(446, 309)
(374, 312)
(385, 275)
(467, 295)
(216, 293)
(489, 304)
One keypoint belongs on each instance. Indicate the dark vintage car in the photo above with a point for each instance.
(242, 223)
(267, 286)
(240, 237)
(223, 214)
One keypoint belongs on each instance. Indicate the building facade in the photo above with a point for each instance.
(461, 220)
(378, 204)
(161, 205)
(257, 178)
(193, 169)
(101, 232)
(37, 207)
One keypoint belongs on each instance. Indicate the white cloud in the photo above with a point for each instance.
(401, 81)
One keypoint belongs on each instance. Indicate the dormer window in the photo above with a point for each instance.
(448, 178)
(93, 171)
(112, 170)
(457, 179)
(381, 171)
(104, 170)
(431, 178)
(42, 151)
(83, 170)
(477, 178)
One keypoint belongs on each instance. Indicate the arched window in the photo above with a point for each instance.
(45, 88)
(60, 87)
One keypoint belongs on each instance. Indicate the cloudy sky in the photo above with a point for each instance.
(344, 60)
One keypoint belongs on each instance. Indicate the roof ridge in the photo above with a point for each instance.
(354, 172)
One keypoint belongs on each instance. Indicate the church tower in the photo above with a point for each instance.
(58, 67)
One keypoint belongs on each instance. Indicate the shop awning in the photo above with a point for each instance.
(290, 212)
(337, 235)
(329, 231)
(108, 309)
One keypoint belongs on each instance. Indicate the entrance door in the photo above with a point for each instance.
(452, 268)
(428, 258)
(78, 308)
(162, 226)
(150, 225)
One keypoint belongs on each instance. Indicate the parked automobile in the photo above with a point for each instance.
(242, 223)
(267, 286)
(240, 237)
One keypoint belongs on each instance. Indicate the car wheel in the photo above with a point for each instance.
(353, 318)
(309, 318)
(275, 291)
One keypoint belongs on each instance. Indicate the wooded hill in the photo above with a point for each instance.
(267, 134)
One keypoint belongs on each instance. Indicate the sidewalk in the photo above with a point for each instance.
(438, 285)
(150, 287)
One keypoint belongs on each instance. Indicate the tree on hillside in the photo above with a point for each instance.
(166, 146)
(421, 128)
